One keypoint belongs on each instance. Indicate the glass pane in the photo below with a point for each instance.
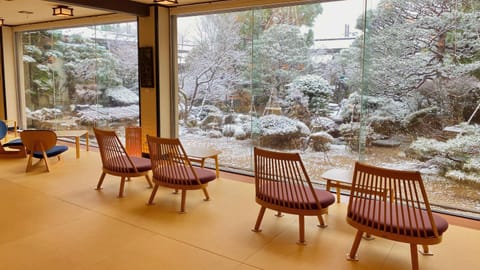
(76, 78)
(421, 96)
(269, 77)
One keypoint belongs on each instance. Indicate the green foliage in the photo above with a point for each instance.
(280, 55)
(254, 23)
(316, 89)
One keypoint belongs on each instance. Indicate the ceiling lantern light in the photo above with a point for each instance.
(166, 2)
(62, 11)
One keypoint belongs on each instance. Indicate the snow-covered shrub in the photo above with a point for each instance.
(458, 157)
(240, 134)
(211, 121)
(214, 134)
(473, 164)
(463, 176)
(424, 149)
(384, 125)
(413, 119)
(280, 132)
(316, 89)
(323, 124)
(351, 134)
(377, 106)
(228, 130)
(202, 111)
(320, 141)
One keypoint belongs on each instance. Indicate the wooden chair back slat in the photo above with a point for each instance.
(282, 184)
(281, 179)
(170, 163)
(172, 168)
(392, 204)
(113, 154)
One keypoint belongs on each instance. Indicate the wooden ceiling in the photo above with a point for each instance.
(21, 12)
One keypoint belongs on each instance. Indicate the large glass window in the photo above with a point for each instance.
(392, 83)
(75, 78)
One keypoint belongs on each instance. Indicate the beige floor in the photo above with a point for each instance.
(57, 220)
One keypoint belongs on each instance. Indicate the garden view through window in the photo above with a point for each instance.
(393, 83)
(77, 78)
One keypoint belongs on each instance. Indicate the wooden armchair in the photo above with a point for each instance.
(392, 204)
(172, 169)
(41, 144)
(11, 149)
(282, 184)
(116, 161)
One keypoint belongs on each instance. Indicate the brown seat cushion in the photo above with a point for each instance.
(396, 222)
(282, 193)
(186, 177)
(142, 164)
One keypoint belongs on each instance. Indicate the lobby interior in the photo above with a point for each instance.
(57, 220)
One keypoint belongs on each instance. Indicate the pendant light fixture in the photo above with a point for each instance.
(62, 11)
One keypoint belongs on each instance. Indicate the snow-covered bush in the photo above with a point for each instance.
(378, 107)
(320, 141)
(414, 118)
(317, 90)
(214, 134)
(458, 157)
(384, 125)
(323, 124)
(212, 120)
(351, 134)
(240, 134)
(228, 130)
(424, 149)
(280, 132)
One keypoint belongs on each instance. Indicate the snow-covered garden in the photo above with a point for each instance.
(260, 78)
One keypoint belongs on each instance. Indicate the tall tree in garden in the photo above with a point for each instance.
(280, 54)
(254, 23)
(214, 66)
(414, 48)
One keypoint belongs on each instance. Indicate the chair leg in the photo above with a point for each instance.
(149, 181)
(414, 255)
(122, 185)
(29, 163)
(207, 197)
(322, 222)
(184, 197)
(425, 251)
(45, 160)
(100, 181)
(368, 237)
(152, 195)
(259, 220)
(352, 256)
(301, 227)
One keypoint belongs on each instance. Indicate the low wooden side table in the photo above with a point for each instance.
(339, 179)
(75, 134)
(199, 154)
